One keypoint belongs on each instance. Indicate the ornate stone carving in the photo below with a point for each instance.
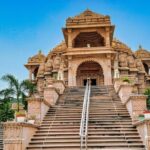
(123, 60)
(131, 61)
(139, 65)
(49, 65)
(88, 17)
(57, 61)
(41, 70)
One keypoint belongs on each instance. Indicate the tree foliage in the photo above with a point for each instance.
(16, 91)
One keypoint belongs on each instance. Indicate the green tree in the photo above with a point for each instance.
(6, 113)
(18, 90)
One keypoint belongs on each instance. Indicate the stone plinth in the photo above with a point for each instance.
(17, 135)
(124, 92)
(136, 104)
(59, 85)
(143, 128)
(37, 107)
(51, 95)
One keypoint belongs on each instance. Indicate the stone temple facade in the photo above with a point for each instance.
(89, 50)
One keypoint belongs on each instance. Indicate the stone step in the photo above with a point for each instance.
(110, 126)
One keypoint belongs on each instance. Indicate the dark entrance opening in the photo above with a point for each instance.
(93, 82)
(84, 82)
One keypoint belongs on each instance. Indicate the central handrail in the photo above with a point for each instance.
(85, 117)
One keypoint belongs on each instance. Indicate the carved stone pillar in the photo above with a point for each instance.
(69, 38)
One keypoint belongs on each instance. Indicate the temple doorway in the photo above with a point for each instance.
(90, 70)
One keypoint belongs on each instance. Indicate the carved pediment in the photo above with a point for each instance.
(89, 17)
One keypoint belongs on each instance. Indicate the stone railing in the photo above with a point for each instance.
(17, 136)
(136, 105)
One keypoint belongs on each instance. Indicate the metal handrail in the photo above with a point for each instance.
(85, 117)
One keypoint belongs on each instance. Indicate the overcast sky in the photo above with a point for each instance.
(29, 25)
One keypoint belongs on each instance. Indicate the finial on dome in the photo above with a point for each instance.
(140, 46)
(40, 51)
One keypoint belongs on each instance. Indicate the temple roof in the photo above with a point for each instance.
(120, 46)
(37, 59)
(88, 17)
(142, 53)
(60, 48)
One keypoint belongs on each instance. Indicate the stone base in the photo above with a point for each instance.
(51, 95)
(143, 128)
(17, 135)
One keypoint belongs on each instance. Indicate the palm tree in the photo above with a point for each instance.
(16, 89)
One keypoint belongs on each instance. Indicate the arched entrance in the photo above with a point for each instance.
(90, 70)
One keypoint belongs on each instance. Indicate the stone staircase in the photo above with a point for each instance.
(1, 137)
(110, 125)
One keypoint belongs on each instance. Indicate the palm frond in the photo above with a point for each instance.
(11, 80)
(28, 87)
(7, 93)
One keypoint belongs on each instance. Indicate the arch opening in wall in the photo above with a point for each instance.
(89, 39)
(146, 68)
(90, 70)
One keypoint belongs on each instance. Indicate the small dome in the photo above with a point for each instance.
(142, 53)
(39, 58)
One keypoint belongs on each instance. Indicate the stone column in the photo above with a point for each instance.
(17, 135)
(69, 38)
(72, 66)
(107, 71)
(107, 37)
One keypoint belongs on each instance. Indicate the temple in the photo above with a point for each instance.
(89, 50)
(89, 93)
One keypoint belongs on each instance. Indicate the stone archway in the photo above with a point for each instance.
(92, 70)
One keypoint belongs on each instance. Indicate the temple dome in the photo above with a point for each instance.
(38, 58)
(120, 46)
(142, 53)
(60, 48)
